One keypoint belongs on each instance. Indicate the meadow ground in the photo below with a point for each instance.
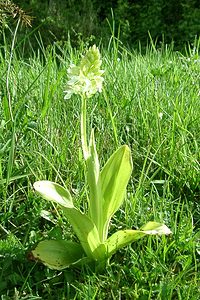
(150, 102)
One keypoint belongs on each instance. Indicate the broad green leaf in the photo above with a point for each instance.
(58, 254)
(122, 238)
(93, 179)
(85, 230)
(114, 179)
(54, 192)
(83, 226)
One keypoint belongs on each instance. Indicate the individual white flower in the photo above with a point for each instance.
(85, 79)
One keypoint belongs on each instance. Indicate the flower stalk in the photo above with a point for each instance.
(84, 141)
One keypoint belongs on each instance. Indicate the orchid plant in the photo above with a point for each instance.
(107, 188)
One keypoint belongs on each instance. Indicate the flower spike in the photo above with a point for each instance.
(85, 79)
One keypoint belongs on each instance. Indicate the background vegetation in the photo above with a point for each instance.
(174, 20)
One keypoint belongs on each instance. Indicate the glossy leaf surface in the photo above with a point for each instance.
(54, 192)
(114, 179)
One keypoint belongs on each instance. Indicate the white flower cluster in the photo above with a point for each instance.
(85, 79)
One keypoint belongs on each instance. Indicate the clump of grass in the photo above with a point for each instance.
(152, 104)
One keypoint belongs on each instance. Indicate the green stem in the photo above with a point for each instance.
(84, 129)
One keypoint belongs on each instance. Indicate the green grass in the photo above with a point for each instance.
(150, 102)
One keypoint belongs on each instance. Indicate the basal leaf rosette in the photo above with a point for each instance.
(86, 78)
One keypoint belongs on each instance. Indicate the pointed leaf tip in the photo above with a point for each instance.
(156, 228)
